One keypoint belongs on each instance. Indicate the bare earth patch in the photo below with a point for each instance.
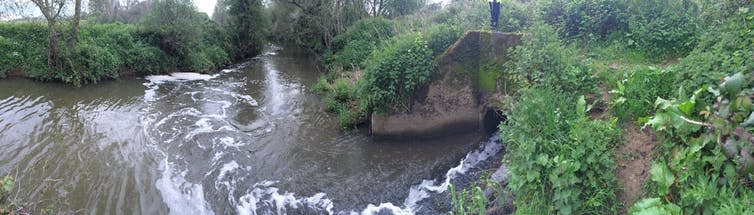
(633, 159)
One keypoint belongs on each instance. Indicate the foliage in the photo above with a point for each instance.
(473, 15)
(351, 49)
(586, 19)
(184, 35)
(395, 72)
(724, 50)
(442, 36)
(542, 60)
(248, 26)
(560, 161)
(6, 186)
(312, 24)
(663, 28)
(654, 206)
(23, 48)
(340, 98)
(467, 201)
(635, 95)
(711, 144)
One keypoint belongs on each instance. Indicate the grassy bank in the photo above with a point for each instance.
(171, 36)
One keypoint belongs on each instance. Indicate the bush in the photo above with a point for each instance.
(706, 163)
(663, 28)
(472, 15)
(586, 19)
(24, 47)
(187, 36)
(91, 63)
(395, 72)
(148, 60)
(542, 60)
(635, 95)
(724, 50)
(560, 161)
(442, 36)
(351, 49)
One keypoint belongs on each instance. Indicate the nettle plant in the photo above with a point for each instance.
(707, 162)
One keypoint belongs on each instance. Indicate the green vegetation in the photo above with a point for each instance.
(543, 60)
(560, 160)
(712, 145)
(171, 36)
(6, 186)
(635, 95)
(468, 201)
(351, 49)
(395, 72)
(683, 67)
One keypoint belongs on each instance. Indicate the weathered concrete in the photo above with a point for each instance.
(458, 96)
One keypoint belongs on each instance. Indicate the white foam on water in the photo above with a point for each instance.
(180, 76)
(181, 196)
(372, 209)
(269, 198)
(419, 192)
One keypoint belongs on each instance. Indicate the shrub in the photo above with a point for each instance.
(352, 48)
(542, 60)
(724, 50)
(471, 15)
(189, 37)
(395, 72)
(442, 36)
(21, 47)
(322, 86)
(663, 28)
(706, 163)
(91, 63)
(586, 19)
(147, 59)
(6, 186)
(560, 161)
(635, 95)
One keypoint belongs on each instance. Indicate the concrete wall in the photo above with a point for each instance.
(453, 102)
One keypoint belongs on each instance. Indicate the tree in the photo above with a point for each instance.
(313, 24)
(248, 23)
(51, 10)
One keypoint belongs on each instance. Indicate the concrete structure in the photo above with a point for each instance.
(464, 93)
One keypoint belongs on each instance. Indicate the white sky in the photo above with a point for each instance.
(206, 6)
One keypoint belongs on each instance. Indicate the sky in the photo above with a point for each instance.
(206, 6)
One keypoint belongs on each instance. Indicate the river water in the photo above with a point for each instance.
(252, 139)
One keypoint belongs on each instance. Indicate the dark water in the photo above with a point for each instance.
(248, 140)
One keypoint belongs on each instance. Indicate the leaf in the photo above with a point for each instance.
(686, 107)
(581, 104)
(662, 176)
(748, 121)
(733, 84)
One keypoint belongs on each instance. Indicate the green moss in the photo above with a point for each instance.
(487, 77)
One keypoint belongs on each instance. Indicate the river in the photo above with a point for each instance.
(251, 139)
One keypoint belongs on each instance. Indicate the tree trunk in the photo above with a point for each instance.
(52, 40)
(75, 26)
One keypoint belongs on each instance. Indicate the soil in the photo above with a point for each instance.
(633, 159)
(600, 110)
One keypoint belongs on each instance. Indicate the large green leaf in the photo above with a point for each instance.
(662, 176)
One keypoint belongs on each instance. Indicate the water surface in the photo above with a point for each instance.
(252, 139)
